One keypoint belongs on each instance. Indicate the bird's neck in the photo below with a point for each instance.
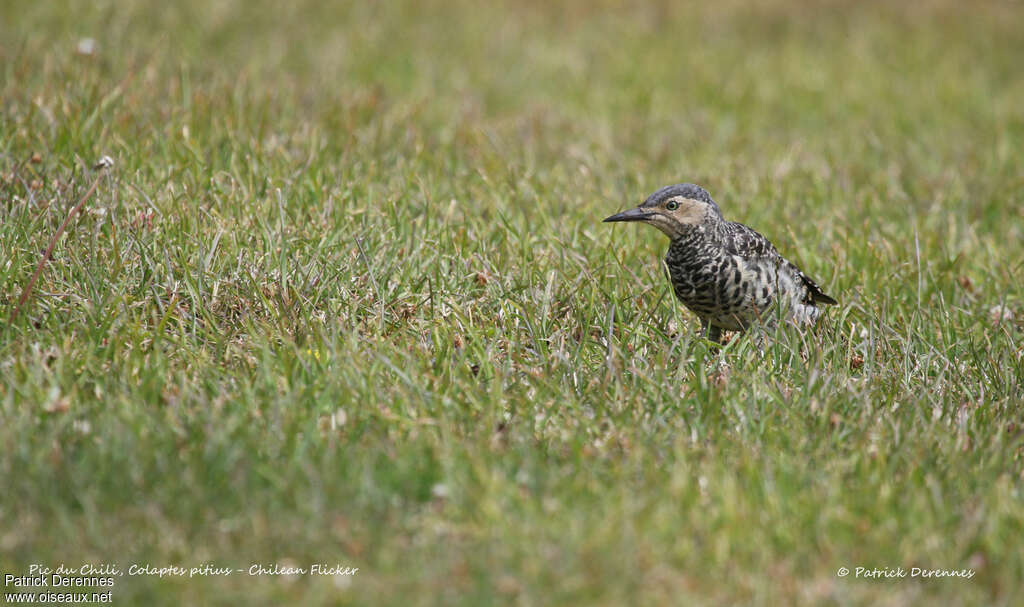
(699, 234)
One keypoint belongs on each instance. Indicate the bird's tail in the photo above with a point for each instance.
(816, 294)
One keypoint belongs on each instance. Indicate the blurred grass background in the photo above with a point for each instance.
(345, 297)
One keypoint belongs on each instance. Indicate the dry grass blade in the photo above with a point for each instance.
(27, 291)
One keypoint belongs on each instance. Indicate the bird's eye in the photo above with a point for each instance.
(672, 205)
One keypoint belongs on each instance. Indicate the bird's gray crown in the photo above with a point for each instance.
(685, 190)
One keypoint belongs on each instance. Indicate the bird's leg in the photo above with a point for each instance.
(760, 338)
(718, 366)
(711, 332)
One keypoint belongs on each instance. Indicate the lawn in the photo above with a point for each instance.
(345, 297)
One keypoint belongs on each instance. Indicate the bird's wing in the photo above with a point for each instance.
(747, 243)
(741, 240)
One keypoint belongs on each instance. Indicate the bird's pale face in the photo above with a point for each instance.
(673, 215)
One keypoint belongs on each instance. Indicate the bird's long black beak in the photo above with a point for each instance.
(636, 214)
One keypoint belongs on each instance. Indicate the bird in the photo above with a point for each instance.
(727, 274)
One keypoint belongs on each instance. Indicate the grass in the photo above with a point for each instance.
(345, 297)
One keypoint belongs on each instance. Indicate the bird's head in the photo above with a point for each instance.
(674, 209)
